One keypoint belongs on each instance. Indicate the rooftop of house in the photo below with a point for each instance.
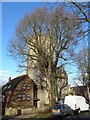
(81, 88)
(12, 83)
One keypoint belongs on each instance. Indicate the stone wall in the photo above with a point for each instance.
(10, 111)
(15, 111)
(43, 96)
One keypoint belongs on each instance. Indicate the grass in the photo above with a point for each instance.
(42, 115)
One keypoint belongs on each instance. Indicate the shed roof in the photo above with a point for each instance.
(13, 83)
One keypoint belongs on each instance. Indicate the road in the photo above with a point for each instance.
(82, 116)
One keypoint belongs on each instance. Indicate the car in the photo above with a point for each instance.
(61, 109)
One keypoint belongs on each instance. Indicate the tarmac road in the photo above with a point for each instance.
(81, 116)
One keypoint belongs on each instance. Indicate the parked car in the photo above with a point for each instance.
(77, 103)
(61, 109)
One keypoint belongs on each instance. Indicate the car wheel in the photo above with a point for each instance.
(72, 113)
(89, 108)
(79, 111)
(63, 114)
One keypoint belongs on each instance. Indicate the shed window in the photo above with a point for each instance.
(24, 86)
(9, 86)
(3, 98)
(19, 97)
(28, 96)
(28, 86)
(23, 97)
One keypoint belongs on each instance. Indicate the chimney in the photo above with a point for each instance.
(9, 79)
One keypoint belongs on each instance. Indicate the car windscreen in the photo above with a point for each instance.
(57, 107)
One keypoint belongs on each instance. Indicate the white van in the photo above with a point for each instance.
(77, 103)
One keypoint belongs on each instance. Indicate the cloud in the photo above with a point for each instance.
(4, 71)
(4, 75)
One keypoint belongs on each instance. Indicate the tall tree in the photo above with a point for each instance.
(62, 80)
(84, 69)
(84, 9)
(50, 37)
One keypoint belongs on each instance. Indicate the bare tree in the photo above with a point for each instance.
(62, 80)
(50, 37)
(83, 66)
(84, 9)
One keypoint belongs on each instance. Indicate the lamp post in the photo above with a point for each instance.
(88, 85)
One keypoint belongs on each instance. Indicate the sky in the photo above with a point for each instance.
(12, 13)
(44, 0)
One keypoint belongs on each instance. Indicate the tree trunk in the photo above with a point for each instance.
(88, 92)
(60, 94)
(50, 95)
(56, 89)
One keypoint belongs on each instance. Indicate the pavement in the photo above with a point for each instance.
(81, 116)
(20, 117)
